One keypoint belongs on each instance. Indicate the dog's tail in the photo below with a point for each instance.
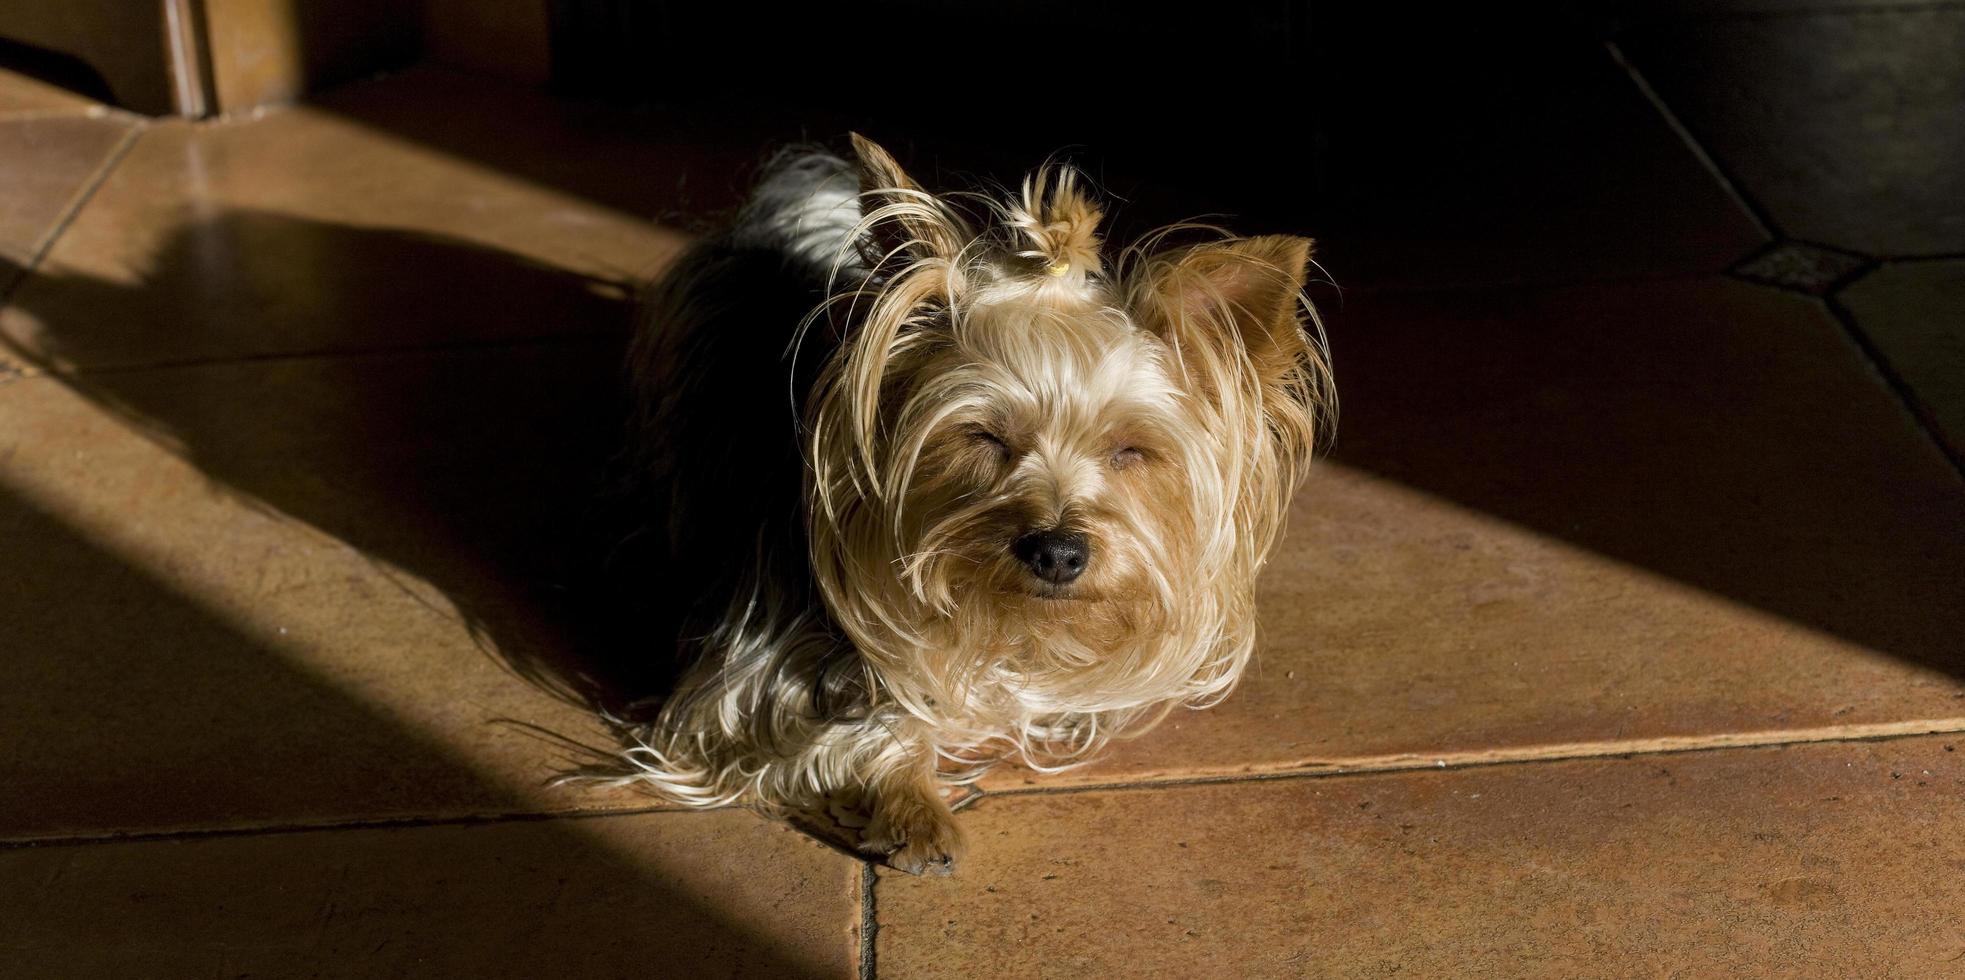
(807, 207)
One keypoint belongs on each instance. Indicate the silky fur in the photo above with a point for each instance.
(843, 486)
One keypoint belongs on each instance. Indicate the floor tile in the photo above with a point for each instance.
(1682, 9)
(673, 894)
(279, 592)
(1545, 164)
(1483, 150)
(1817, 861)
(1611, 515)
(1847, 127)
(24, 96)
(1803, 268)
(303, 231)
(1914, 312)
(678, 170)
(1491, 151)
(44, 163)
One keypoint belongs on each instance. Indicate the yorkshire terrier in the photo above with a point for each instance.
(937, 483)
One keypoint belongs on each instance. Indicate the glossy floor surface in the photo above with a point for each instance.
(1622, 633)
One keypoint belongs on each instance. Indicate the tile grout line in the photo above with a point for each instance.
(273, 357)
(1879, 364)
(1573, 752)
(384, 823)
(1763, 222)
(73, 209)
(107, 168)
(1920, 414)
(869, 921)
(1884, 732)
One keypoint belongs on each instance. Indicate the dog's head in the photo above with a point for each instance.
(1027, 460)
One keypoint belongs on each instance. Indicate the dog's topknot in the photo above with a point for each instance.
(1059, 224)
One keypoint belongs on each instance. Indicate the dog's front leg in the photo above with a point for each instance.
(911, 824)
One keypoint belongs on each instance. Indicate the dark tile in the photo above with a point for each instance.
(1429, 160)
(1914, 313)
(1847, 127)
(1653, 10)
(1497, 152)
(1802, 268)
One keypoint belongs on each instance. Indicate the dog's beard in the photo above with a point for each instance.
(962, 632)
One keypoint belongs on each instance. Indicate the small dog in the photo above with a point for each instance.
(934, 486)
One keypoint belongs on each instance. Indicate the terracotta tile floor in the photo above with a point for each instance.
(1622, 634)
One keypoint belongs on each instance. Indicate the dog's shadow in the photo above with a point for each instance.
(448, 409)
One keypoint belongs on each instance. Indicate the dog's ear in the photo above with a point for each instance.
(1233, 315)
(1246, 291)
(900, 220)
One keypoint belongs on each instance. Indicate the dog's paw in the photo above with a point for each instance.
(919, 842)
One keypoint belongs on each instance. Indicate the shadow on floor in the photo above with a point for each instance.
(1725, 435)
(94, 646)
(476, 467)
(1718, 433)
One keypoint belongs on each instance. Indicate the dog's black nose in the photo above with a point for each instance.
(1054, 556)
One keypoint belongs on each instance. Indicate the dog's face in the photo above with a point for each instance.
(1024, 464)
(1055, 450)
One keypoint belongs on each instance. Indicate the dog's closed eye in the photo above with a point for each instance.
(991, 441)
